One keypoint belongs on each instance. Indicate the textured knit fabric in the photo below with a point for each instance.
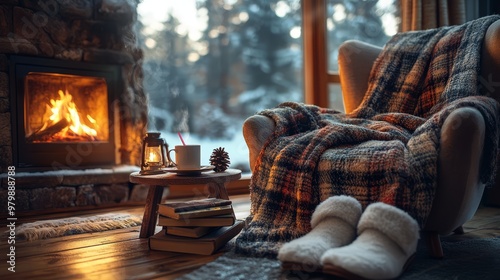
(386, 150)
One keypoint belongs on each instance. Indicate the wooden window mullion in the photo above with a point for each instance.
(316, 77)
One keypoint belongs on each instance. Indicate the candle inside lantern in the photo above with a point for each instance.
(154, 156)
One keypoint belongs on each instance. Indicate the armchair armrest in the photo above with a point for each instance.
(490, 62)
(459, 189)
(256, 130)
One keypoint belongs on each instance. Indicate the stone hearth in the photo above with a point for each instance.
(91, 31)
(55, 190)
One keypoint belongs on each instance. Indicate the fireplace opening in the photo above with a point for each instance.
(66, 114)
(65, 108)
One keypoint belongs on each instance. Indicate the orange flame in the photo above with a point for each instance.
(64, 111)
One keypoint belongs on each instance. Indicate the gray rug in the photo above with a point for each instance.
(470, 259)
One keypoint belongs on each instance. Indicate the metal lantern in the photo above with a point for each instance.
(153, 154)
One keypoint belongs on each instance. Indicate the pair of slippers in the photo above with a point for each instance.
(345, 241)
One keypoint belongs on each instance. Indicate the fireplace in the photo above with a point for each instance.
(64, 113)
(70, 57)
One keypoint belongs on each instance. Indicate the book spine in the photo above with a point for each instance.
(201, 213)
(201, 205)
(196, 222)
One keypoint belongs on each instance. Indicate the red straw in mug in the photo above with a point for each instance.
(182, 140)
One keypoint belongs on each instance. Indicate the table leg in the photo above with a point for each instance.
(217, 190)
(149, 219)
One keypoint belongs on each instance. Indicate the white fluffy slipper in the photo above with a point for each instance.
(333, 225)
(387, 240)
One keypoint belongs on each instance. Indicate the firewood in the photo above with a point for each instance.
(42, 135)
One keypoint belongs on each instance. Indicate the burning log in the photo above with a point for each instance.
(44, 134)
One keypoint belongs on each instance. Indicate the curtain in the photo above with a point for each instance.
(427, 14)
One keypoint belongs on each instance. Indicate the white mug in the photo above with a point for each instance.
(187, 157)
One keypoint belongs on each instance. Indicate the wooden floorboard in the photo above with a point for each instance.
(121, 254)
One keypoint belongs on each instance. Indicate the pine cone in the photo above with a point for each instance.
(219, 159)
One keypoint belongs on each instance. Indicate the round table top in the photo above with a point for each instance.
(165, 179)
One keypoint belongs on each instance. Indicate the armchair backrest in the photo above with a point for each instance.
(355, 60)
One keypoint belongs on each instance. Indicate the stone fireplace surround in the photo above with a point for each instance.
(91, 31)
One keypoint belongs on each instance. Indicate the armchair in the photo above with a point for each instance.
(459, 189)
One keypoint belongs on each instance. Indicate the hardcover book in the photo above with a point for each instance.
(183, 206)
(193, 232)
(205, 245)
(212, 221)
(206, 212)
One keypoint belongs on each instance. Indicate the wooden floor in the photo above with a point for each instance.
(121, 254)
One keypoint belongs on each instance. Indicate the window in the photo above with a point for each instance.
(210, 64)
(372, 22)
(329, 23)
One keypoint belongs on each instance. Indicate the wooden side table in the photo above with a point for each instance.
(216, 182)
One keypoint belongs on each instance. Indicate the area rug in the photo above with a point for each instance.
(469, 259)
(75, 225)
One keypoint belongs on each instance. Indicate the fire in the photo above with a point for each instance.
(63, 121)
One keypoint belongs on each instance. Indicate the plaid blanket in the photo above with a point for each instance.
(386, 150)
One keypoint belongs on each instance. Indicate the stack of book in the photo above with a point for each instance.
(198, 226)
